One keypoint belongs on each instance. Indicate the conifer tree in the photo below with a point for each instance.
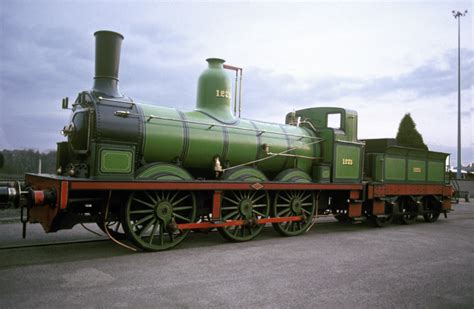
(407, 134)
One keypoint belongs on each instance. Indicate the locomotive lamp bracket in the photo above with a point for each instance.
(65, 103)
(68, 130)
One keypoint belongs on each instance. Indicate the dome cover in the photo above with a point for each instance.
(214, 92)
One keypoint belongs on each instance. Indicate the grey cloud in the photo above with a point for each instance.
(427, 80)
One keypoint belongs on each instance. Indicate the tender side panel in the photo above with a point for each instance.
(436, 171)
(395, 169)
(416, 170)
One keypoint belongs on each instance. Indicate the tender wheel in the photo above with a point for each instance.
(409, 211)
(293, 203)
(431, 209)
(248, 206)
(150, 218)
(431, 216)
(380, 220)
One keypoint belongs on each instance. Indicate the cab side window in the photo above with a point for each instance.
(334, 121)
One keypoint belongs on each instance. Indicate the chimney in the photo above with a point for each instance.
(107, 60)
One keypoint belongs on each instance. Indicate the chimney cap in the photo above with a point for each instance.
(108, 31)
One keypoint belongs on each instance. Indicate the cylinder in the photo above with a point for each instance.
(107, 60)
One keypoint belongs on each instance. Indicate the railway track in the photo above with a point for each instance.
(55, 243)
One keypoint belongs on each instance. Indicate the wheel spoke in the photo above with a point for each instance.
(229, 208)
(143, 202)
(285, 199)
(173, 197)
(146, 228)
(285, 211)
(142, 220)
(155, 227)
(305, 198)
(181, 217)
(180, 200)
(144, 211)
(230, 215)
(150, 197)
(231, 200)
(162, 234)
(258, 213)
(182, 208)
(258, 198)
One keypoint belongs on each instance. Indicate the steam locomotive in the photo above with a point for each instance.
(151, 174)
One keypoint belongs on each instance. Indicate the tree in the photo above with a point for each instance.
(407, 134)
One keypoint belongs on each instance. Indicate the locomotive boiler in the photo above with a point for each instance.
(151, 174)
(112, 136)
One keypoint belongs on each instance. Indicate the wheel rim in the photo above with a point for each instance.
(293, 203)
(431, 216)
(381, 221)
(151, 218)
(431, 209)
(409, 213)
(384, 219)
(249, 206)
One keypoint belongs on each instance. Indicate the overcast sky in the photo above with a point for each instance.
(383, 59)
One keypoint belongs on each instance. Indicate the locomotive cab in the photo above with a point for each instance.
(341, 151)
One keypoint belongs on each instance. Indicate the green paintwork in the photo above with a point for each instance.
(163, 171)
(347, 162)
(416, 170)
(116, 161)
(293, 175)
(402, 164)
(395, 168)
(163, 138)
(378, 166)
(338, 143)
(318, 116)
(244, 174)
(214, 92)
(436, 171)
(322, 173)
(165, 142)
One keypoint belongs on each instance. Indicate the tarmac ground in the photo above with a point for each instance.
(423, 265)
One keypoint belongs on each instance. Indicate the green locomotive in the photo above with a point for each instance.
(154, 173)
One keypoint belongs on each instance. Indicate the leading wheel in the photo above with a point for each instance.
(151, 218)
